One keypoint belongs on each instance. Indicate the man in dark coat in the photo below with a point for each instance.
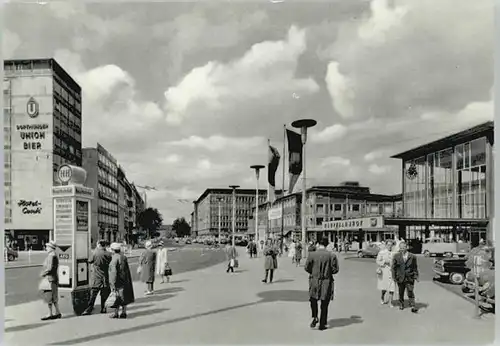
(405, 273)
(321, 266)
(120, 281)
(100, 260)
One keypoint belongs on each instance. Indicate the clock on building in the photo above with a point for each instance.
(412, 171)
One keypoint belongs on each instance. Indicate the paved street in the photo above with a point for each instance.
(22, 283)
(211, 307)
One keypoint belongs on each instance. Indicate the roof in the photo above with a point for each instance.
(481, 130)
(228, 191)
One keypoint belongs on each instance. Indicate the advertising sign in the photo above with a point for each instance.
(63, 221)
(274, 213)
(82, 216)
(354, 224)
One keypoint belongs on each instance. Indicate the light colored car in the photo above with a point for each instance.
(371, 250)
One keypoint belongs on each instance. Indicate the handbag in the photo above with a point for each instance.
(44, 285)
(168, 270)
(236, 264)
(379, 271)
(113, 300)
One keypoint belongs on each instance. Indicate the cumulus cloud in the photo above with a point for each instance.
(335, 160)
(378, 170)
(10, 43)
(217, 143)
(329, 134)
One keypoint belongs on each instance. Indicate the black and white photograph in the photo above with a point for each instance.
(250, 172)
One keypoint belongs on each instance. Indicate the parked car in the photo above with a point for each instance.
(371, 250)
(452, 270)
(438, 247)
(241, 242)
(188, 241)
(12, 254)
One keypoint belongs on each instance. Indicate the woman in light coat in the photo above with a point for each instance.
(385, 283)
(147, 264)
(162, 262)
(291, 251)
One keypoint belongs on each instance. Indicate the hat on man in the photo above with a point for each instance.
(115, 246)
(148, 244)
(51, 244)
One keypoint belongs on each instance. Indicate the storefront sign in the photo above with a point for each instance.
(82, 216)
(32, 135)
(274, 213)
(30, 207)
(363, 223)
(63, 221)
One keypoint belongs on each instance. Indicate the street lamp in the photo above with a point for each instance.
(257, 169)
(219, 199)
(234, 187)
(303, 124)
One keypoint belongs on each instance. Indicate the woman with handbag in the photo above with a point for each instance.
(162, 263)
(48, 286)
(385, 283)
(120, 283)
(147, 264)
(231, 255)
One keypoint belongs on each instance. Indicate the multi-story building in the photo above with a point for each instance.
(347, 201)
(206, 218)
(125, 206)
(42, 130)
(102, 176)
(448, 187)
(139, 205)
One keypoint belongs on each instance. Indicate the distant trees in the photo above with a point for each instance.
(181, 227)
(150, 220)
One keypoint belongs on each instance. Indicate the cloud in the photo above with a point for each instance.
(217, 143)
(378, 170)
(382, 21)
(10, 43)
(329, 134)
(374, 155)
(335, 160)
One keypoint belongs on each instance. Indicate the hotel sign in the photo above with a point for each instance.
(274, 213)
(363, 223)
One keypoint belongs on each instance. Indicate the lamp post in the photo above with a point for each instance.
(219, 199)
(303, 124)
(234, 187)
(257, 169)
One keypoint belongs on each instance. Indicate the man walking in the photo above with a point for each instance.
(321, 266)
(405, 273)
(100, 260)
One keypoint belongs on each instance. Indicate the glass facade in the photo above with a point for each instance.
(449, 183)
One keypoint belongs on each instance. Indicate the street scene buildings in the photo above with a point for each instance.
(182, 173)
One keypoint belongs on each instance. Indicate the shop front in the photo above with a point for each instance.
(24, 240)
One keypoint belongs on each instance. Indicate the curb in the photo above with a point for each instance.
(39, 265)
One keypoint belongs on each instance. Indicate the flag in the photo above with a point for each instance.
(272, 167)
(294, 157)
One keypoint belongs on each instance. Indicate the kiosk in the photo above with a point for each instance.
(72, 212)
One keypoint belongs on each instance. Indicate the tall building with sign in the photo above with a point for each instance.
(42, 130)
(102, 176)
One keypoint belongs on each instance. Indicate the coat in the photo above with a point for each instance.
(321, 266)
(50, 269)
(384, 263)
(298, 252)
(120, 279)
(100, 259)
(271, 260)
(404, 271)
(231, 253)
(148, 264)
(292, 250)
(161, 260)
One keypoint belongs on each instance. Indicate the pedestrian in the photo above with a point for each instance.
(405, 273)
(291, 250)
(298, 253)
(50, 280)
(231, 255)
(100, 260)
(252, 248)
(311, 247)
(270, 260)
(162, 262)
(385, 282)
(321, 266)
(331, 246)
(120, 281)
(147, 264)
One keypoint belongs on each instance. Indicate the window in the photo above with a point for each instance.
(355, 207)
(338, 207)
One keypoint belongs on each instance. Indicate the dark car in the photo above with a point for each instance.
(12, 254)
(452, 270)
(371, 250)
(241, 242)
(189, 241)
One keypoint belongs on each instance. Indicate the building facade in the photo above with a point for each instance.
(206, 218)
(126, 210)
(448, 187)
(42, 130)
(102, 176)
(328, 203)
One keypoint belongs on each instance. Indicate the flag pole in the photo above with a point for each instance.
(283, 189)
(268, 188)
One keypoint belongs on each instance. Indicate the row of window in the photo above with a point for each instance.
(108, 205)
(62, 127)
(105, 176)
(72, 98)
(110, 165)
(109, 193)
(239, 199)
(107, 219)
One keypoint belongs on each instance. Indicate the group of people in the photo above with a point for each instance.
(111, 275)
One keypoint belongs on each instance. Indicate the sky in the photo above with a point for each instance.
(186, 95)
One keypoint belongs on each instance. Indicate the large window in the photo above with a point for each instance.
(414, 180)
(442, 185)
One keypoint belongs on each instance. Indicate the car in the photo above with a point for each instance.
(188, 241)
(371, 250)
(241, 242)
(12, 254)
(451, 270)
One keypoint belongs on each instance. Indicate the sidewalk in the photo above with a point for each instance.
(210, 306)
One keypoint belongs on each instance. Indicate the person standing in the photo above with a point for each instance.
(385, 283)
(162, 262)
(100, 260)
(49, 284)
(291, 250)
(231, 255)
(405, 273)
(120, 281)
(270, 261)
(147, 264)
(298, 253)
(321, 266)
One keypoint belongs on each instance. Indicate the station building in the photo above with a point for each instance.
(42, 130)
(448, 188)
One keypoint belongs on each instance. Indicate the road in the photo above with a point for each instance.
(22, 283)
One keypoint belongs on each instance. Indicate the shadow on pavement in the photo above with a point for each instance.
(282, 280)
(25, 327)
(135, 306)
(159, 295)
(418, 305)
(145, 313)
(178, 281)
(284, 296)
(344, 322)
